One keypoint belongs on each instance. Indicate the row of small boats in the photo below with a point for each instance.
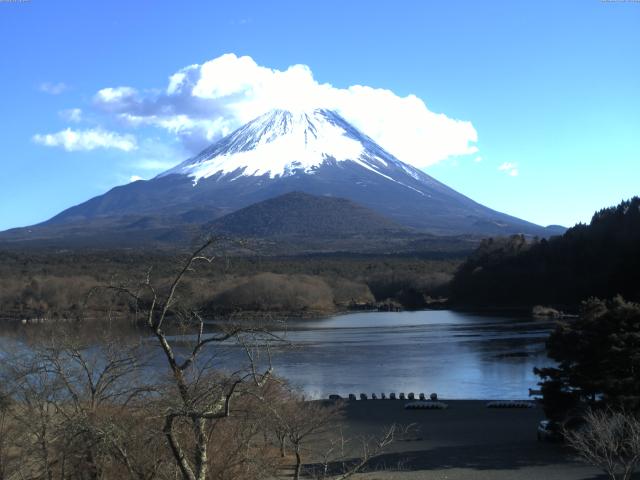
(383, 396)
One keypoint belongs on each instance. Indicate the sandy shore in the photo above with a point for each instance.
(465, 441)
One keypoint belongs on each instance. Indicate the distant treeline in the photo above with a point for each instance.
(601, 259)
(55, 284)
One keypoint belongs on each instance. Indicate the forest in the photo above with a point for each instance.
(601, 259)
(55, 284)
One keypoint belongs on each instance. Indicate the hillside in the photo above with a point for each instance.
(303, 215)
(601, 259)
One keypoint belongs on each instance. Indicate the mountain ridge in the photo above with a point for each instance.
(318, 153)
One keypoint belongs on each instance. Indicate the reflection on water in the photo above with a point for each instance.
(454, 354)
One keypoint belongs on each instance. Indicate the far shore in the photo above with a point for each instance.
(13, 318)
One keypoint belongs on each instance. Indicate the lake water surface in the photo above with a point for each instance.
(457, 355)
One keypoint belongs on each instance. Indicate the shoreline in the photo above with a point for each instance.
(465, 441)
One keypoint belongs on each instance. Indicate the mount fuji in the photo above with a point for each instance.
(315, 152)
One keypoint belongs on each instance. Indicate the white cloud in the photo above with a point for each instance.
(204, 102)
(509, 168)
(53, 88)
(135, 178)
(72, 115)
(477, 159)
(115, 95)
(76, 140)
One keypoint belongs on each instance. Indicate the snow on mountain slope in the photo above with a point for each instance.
(315, 152)
(281, 143)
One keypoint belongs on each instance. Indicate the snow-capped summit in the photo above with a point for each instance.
(315, 152)
(282, 143)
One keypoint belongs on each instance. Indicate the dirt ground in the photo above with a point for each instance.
(465, 441)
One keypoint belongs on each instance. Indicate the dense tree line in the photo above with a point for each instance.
(54, 284)
(601, 259)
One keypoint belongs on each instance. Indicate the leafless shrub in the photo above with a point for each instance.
(609, 440)
(70, 405)
(301, 424)
(344, 457)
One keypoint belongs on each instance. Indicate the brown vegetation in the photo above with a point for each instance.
(287, 293)
(69, 410)
(54, 284)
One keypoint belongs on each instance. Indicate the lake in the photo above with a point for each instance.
(457, 355)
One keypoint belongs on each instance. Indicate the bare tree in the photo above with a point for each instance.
(202, 398)
(609, 440)
(100, 386)
(301, 424)
(371, 447)
(69, 403)
(240, 450)
(92, 410)
(340, 460)
(8, 435)
(314, 430)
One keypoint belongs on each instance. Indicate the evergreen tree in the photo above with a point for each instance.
(598, 359)
(601, 259)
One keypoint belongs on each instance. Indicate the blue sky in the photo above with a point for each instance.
(549, 89)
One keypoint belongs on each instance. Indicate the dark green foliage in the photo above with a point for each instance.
(598, 358)
(302, 215)
(601, 259)
(294, 223)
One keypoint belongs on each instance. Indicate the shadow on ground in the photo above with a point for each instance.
(496, 458)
